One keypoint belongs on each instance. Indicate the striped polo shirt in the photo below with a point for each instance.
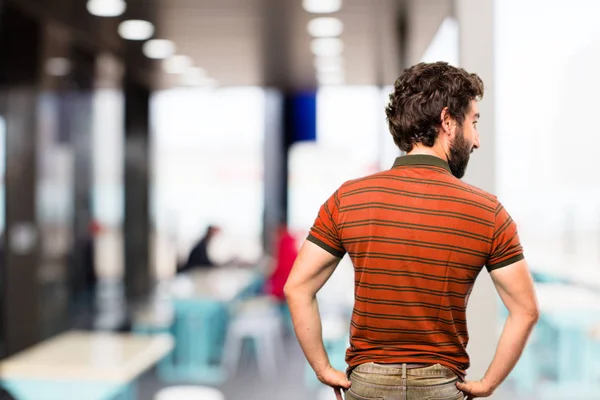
(418, 237)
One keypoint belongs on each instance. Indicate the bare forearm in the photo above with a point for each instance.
(307, 324)
(510, 346)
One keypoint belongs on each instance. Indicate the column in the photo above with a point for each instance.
(275, 167)
(19, 71)
(476, 24)
(137, 222)
(79, 106)
(275, 55)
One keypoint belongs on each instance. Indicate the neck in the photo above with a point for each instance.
(435, 151)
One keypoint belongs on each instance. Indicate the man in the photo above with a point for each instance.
(418, 237)
(199, 257)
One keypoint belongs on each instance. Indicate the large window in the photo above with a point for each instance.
(207, 152)
(547, 62)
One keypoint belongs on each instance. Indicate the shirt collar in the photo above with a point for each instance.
(421, 159)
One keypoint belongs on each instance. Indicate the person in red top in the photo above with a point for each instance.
(286, 253)
(418, 237)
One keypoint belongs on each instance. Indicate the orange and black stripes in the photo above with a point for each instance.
(418, 238)
(421, 211)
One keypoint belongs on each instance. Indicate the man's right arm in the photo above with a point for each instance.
(515, 287)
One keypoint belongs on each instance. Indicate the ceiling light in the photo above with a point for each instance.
(158, 48)
(322, 6)
(325, 47)
(58, 66)
(177, 64)
(329, 63)
(325, 27)
(106, 8)
(136, 29)
(196, 72)
(194, 76)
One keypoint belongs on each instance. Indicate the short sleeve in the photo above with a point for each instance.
(325, 231)
(506, 247)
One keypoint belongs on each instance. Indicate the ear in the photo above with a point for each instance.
(448, 123)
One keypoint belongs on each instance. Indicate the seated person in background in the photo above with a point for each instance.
(199, 257)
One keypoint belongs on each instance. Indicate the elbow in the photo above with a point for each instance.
(532, 315)
(535, 315)
(288, 291)
(528, 316)
(296, 292)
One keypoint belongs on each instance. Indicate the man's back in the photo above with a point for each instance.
(418, 237)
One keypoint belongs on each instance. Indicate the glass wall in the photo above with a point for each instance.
(546, 66)
(207, 157)
(547, 84)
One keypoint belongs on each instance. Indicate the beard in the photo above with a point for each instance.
(460, 152)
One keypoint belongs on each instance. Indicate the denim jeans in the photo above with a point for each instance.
(381, 382)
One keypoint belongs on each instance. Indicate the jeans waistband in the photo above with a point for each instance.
(403, 370)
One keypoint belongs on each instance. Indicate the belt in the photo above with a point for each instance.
(408, 366)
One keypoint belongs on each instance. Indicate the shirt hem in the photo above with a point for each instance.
(506, 263)
(332, 250)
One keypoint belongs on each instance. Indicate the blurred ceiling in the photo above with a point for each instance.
(266, 42)
(241, 42)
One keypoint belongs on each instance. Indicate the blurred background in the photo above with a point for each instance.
(161, 161)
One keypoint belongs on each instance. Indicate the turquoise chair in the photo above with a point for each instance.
(199, 331)
(574, 344)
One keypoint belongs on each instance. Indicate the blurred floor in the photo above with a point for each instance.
(289, 385)
(247, 383)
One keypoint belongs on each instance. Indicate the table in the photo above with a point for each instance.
(220, 284)
(82, 365)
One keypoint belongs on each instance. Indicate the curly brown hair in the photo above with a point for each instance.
(421, 93)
